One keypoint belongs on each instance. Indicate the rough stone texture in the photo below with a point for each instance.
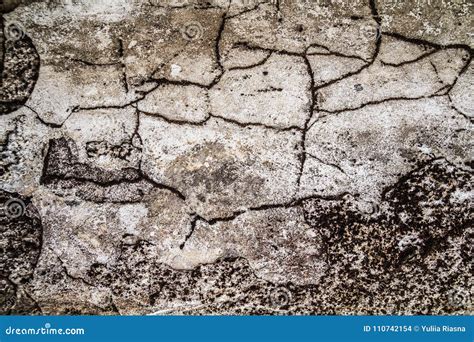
(236, 157)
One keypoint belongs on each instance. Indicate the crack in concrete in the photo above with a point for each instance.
(66, 168)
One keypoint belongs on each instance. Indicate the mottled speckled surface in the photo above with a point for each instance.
(236, 157)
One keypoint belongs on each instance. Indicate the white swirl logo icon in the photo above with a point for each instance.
(14, 31)
(14, 208)
(192, 31)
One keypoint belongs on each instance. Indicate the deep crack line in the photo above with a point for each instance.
(220, 118)
(122, 64)
(247, 67)
(217, 47)
(71, 169)
(326, 163)
(234, 215)
(387, 100)
(312, 106)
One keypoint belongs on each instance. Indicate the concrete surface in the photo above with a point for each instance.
(236, 157)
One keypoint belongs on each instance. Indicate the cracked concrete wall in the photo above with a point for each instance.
(236, 157)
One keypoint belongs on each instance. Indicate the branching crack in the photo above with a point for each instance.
(326, 163)
(262, 62)
(60, 165)
(312, 106)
